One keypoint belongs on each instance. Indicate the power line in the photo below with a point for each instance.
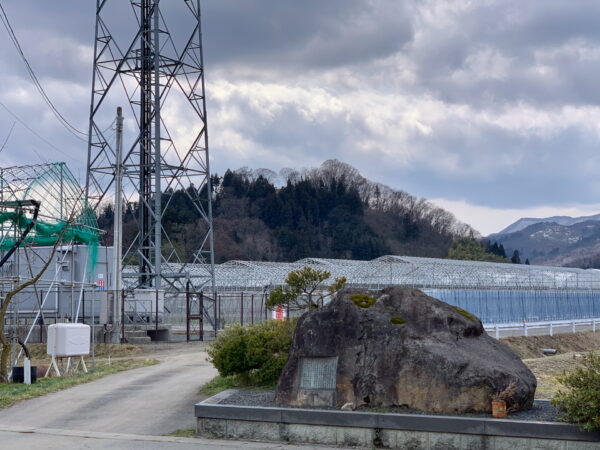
(7, 136)
(18, 119)
(70, 128)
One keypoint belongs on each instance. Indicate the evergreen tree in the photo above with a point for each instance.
(527, 261)
(495, 249)
(471, 250)
(501, 251)
(516, 258)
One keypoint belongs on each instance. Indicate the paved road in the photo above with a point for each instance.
(128, 410)
(28, 438)
(154, 400)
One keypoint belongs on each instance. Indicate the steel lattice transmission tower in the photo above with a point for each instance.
(158, 78)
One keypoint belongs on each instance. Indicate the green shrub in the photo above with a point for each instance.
(255, 355)
(269, 372)
(268, 345)
(228, 352)
(363, 300)
(397, 320)
(581, 403)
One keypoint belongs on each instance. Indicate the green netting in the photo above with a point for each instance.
(60, 197)
(47, 234)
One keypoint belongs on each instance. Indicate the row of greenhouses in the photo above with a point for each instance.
(497, 293)
(427, 273)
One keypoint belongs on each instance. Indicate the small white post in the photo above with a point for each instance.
(573, 326)
(594, 325)
(526, 330)
(497, 332)
(551, 331)
(27, 371)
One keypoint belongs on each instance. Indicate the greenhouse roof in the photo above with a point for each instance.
(404, 270)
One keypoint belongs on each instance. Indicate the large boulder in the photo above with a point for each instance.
(400, 347)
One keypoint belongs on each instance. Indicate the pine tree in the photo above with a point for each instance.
(516, 258)
(495, 249)
(501, 251)
(527, 261)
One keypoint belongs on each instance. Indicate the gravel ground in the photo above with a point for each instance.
(542, 409)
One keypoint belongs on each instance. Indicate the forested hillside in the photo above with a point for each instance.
(328, 212)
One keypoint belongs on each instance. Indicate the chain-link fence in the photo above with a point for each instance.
(196, 315)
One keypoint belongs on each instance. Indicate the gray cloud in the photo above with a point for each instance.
(548, 47)
(306, 34)
(477, 101)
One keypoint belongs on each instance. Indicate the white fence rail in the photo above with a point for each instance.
(551, 326)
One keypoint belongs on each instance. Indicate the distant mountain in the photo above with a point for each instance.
(523, 223)
(551, 243)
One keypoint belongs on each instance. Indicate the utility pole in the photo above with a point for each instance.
(118, 221)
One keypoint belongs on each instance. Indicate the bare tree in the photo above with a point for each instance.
(5, 355)
(6, 345)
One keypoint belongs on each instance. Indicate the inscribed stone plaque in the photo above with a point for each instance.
(318, 373)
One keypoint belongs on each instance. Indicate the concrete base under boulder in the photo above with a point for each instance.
(375, 430)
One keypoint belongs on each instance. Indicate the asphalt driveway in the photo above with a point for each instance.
(153, 400)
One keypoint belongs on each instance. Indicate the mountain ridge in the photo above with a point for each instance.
(525, 222)
(550, 243)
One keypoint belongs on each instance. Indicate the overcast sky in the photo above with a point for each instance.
(489, 108)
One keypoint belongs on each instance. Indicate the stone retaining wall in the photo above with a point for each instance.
(373, 430)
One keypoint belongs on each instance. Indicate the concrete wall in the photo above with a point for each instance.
(375, 430)
(377, 438)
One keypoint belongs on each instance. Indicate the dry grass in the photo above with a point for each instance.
(570, 349)
(548, 369)
(103, 351)
(531, 347)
